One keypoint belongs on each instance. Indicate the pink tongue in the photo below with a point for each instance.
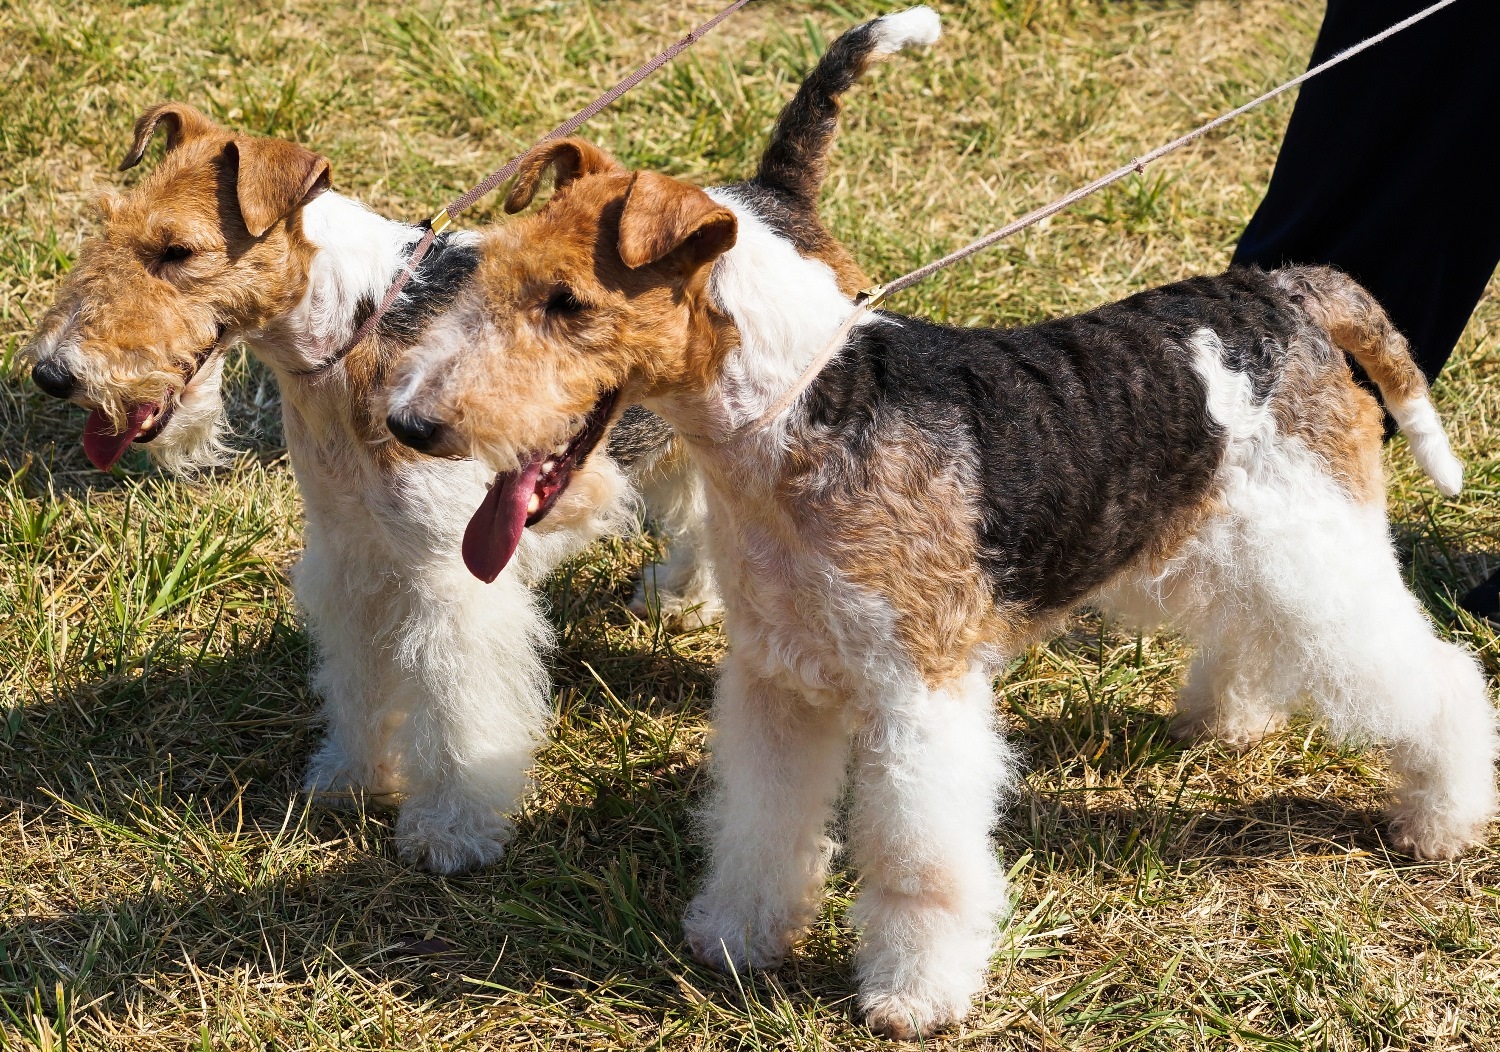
(495, 530)
(100, 442)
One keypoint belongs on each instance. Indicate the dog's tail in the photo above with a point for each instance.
(1362, 329)
(796, 160)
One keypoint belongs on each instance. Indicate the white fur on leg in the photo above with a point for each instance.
(480, 708)
(1219, 701)
(433, 683)
(777, 764)
(930, 770)
(1447, 795)
(681, 587)
(1300, 586)
(355, 680)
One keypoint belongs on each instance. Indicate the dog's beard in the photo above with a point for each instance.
(193, 439)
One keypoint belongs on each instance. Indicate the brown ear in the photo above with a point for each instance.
(570, 157)
(664, 216)
(182, 122)
(275, 177)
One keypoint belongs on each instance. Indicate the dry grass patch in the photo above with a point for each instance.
(163, 885)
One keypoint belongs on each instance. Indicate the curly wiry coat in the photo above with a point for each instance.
(938, 498)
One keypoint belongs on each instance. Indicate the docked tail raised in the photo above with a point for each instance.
(1362, 330)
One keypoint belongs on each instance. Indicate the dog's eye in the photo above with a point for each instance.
(563, 302)
(175, 254)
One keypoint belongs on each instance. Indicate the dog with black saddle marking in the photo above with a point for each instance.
(939, 498)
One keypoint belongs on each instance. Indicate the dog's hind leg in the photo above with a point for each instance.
(777, 764)
(1304, 587)
(1223, 700)
(929, 773)
(680, 587)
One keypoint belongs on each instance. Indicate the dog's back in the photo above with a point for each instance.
(1094, 440)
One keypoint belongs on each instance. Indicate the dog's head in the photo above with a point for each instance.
(599, 300)
(207, 246)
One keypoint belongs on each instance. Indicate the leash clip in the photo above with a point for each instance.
(871, 297)
(440, 222)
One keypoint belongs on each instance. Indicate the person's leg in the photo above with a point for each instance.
(1387, 172)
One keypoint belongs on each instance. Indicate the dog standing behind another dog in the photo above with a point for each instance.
(938, 498)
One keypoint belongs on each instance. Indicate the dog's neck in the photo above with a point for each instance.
(357, 254)
(786, 307)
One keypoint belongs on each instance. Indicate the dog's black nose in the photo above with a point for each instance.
(52, 376)
(419, 433)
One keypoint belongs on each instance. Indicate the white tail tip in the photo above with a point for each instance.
(914, 27)
(1429, 444)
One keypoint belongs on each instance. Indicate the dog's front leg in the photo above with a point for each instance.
(777, 766)
(480, 702)
(930, 768)
(357, 682)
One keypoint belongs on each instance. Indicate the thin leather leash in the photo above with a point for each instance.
(871, 298)
(439, 222)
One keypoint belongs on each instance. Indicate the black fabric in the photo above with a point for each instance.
(1390, 167)
(1090, 435)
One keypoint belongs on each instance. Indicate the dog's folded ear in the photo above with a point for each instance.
(570, 158)
(181, 121)
(275, 177)
(665, 217)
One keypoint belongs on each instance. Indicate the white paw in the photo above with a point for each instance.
(907, 1016)
(447, 838)
(1424, 834)
(726, 941)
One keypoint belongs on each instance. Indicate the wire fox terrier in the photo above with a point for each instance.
(433, 683)
(1197, 455)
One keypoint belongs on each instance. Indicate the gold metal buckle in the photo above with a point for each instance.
(871, 297)
(440, 222)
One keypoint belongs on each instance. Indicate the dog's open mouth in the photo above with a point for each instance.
(523, 498)
(104, 446)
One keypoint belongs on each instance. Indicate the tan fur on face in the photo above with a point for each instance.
(140, 323)
(645, 323)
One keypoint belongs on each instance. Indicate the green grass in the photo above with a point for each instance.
(164, 886)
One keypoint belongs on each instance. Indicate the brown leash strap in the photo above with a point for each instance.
(439, 222)
(872, 298)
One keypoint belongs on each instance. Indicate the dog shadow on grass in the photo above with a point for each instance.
(157, 828)
(155, 821)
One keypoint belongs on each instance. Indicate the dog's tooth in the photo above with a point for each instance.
(561, 450)
(533, 504)
(548, 465)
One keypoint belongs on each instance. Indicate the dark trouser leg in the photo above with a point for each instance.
(1389, 172)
